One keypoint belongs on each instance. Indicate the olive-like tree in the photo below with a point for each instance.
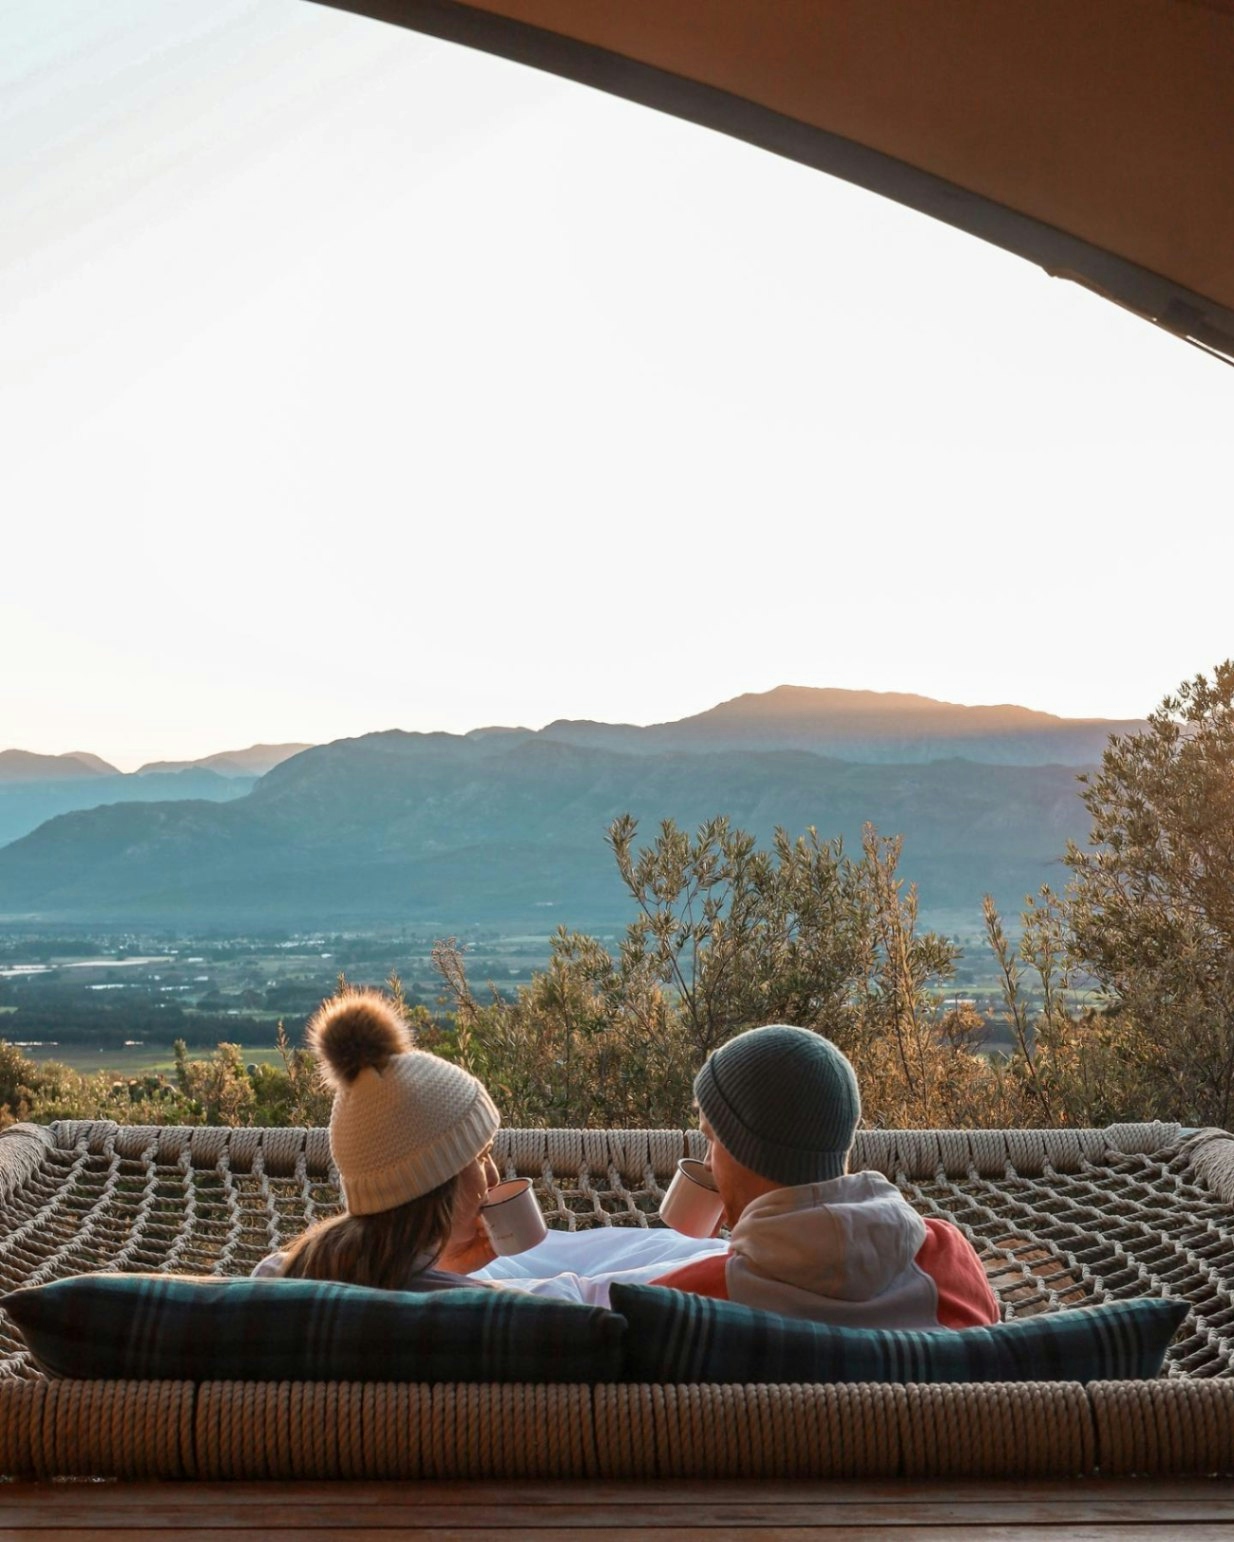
(1152, 898)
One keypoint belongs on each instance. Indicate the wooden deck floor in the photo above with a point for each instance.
(1113, 1511)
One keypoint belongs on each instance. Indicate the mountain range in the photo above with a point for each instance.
(35, 788)
(77, 766)
(507, 824)
(80, 765)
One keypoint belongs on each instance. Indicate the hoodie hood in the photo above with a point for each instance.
(847, 1238)
(842, 1252)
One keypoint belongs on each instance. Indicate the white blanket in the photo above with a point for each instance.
(581, 1265)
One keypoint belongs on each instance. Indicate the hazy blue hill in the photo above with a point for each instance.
(256, 760)
(94, 763)
(455, 829)
(26, 805)
(26, 766)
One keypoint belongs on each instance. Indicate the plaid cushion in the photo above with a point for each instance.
(674, 1336)
(157, 1326)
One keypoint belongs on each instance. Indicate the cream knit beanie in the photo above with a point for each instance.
(403, 1121)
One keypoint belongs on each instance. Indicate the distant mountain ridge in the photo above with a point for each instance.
(26, 766)
(254, 761)
(872, 727)
(447, 831)
(503, 823)
(24, 806)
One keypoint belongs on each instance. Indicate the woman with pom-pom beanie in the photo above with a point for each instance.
(411, 1136)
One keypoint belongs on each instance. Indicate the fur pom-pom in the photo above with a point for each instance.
(354, 1030)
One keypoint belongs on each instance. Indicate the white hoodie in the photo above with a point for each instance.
(851, 1251)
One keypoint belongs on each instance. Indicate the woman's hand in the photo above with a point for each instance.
(469, 1246)
(464, 1256)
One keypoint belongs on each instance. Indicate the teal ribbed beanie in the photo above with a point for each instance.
(783, 1101)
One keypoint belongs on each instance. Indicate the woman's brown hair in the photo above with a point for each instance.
(385, 1250)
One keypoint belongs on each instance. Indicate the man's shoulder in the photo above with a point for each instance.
(965, 1299)
(701, 1277)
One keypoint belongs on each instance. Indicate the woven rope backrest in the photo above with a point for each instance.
(1060, 1218)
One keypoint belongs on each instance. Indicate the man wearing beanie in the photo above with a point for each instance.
(779, 1107)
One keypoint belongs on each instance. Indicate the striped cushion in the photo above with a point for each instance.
(674, 1336)
(155, 1326)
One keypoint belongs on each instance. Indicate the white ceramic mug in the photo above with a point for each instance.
(512, 1217)
(692, 1204)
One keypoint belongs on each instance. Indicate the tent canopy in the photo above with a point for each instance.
(1093, 137)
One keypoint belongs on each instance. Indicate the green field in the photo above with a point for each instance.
(139, 1059)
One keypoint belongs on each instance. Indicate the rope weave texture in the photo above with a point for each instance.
(1060, 1218)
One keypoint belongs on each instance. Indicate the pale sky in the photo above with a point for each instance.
(350, 380)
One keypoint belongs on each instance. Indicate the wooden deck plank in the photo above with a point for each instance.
(1103, 1511)
(1077, 1531)
(662, 1492)
(607, 1516)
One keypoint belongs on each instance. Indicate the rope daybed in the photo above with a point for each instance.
(1060, 1218)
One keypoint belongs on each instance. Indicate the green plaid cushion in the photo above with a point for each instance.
(677, 1337)
(146, 1327)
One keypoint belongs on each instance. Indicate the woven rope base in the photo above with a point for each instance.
(342, 1430)
(1060, 1218)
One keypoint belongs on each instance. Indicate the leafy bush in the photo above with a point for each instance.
(1151, 905)
(41, 1092)
(726, 937)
